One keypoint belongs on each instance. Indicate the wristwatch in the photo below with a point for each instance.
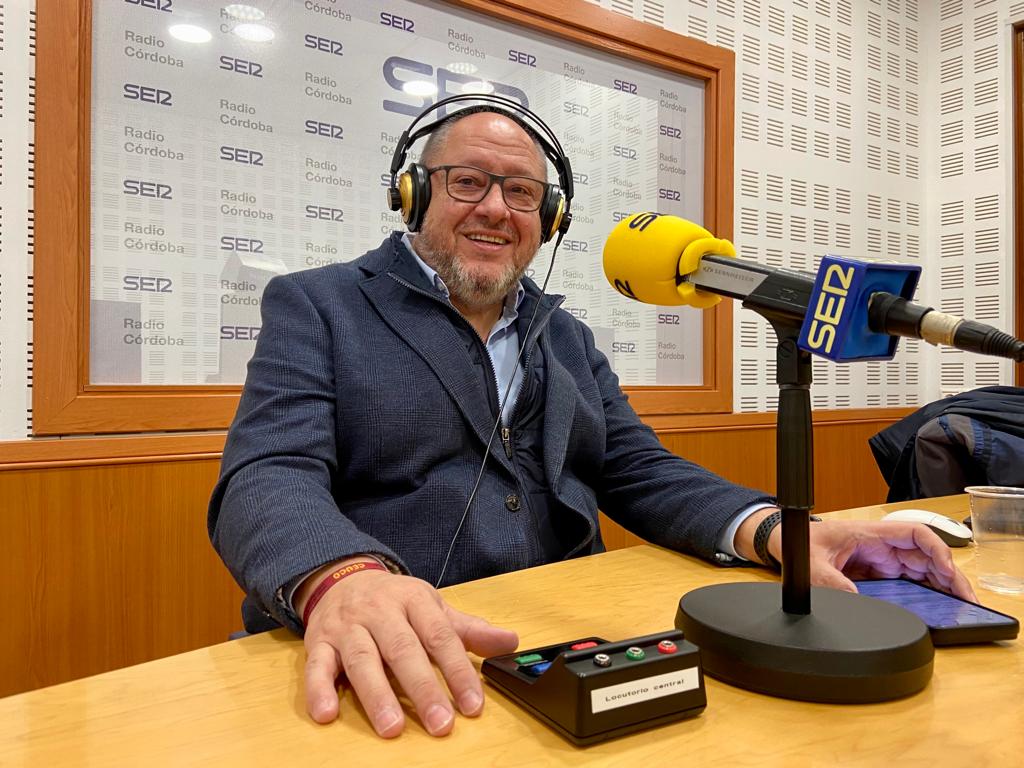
(762, 534)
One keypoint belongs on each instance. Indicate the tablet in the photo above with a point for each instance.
(952, 621)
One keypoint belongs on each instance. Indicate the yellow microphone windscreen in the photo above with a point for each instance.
(642, 254)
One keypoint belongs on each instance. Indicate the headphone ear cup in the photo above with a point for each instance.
(414, 189)
(551, 212)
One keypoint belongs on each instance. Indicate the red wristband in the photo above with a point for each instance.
(333, 578)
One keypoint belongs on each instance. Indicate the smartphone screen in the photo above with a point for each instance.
(950, 619)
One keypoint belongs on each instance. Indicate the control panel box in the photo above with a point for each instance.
(590, 689)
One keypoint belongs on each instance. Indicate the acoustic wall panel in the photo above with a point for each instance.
(876, 129)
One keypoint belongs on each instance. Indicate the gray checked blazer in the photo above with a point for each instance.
(362, 427)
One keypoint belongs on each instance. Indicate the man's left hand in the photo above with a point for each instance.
(842, 550)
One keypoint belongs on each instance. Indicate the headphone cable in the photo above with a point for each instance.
(501, 409)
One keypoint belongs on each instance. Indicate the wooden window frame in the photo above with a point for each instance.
(65, 403)
(1018, 190)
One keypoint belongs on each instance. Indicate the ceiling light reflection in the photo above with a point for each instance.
(254, 33)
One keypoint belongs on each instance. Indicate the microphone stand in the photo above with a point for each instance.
(850, 648)
(794, 452)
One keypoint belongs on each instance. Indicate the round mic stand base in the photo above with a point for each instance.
(850, 650)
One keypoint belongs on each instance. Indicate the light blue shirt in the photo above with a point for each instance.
(502, 343)
(503, 348)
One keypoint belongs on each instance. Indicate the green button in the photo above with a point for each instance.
(530, 658)
(635, 654)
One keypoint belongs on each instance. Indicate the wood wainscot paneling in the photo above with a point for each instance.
(106, 561)
(108, 565)
(741, 447)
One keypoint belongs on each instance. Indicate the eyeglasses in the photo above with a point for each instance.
(471, 185)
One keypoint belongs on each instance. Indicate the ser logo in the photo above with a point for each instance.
(669, 194)
(671, 131)
(624, 347)
(241, 244)
(828, 312)
(148, 284)
(140, 188)
(625, 86)
(643, 220)
(626, 152)
(324, 44)
(324, 213)
(577, 246)
(147, 94)
(156, 5)
(580, 313)
(396, 70)
(574, 108)
(618, 216)
(241, 66)
(240, 332)
(241, 155)
(521, 57)
(328, 130)
(397, 22)
(581, 178)
(667, 319)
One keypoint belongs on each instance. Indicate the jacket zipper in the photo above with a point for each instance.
(506, 432)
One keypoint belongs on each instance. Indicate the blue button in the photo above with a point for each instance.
(538, 669)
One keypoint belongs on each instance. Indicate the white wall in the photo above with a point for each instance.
(871, 128)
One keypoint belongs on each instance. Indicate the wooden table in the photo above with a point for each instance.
(241, 703)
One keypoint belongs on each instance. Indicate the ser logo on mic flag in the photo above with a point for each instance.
(836, 323)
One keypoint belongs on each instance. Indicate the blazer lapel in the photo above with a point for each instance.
(419, 316)
(559, 413)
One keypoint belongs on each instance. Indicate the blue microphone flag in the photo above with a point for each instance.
(836, 323)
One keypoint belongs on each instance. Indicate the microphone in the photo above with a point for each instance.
(850, 310)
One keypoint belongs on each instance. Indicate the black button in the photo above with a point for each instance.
(512, 502)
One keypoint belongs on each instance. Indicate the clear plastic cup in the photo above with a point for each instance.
(997, 519)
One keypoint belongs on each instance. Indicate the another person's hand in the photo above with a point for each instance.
(842, 550)
(373, 622)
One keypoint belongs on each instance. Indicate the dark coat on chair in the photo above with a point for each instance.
(975, 438)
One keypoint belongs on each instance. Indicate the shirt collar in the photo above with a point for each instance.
(512, 300)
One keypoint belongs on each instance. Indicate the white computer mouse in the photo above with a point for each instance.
(950, 531)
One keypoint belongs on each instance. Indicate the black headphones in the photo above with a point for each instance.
(410, 192)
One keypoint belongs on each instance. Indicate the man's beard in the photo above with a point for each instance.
(472, 291)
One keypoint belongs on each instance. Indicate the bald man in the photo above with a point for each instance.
(373, 391)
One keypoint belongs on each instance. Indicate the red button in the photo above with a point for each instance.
(666, 646)
(581, 646)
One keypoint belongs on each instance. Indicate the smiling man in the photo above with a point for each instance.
(361, 434)
(478, 239)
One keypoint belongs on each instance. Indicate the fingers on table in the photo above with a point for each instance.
(427, 637)
(361, 660)
(322, 668)
(480, 636)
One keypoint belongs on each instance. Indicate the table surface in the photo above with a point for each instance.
(241, 702)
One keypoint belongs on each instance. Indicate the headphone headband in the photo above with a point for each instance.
(538, 130)
(504, 105)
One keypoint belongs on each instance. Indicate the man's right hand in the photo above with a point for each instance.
(371, 620)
